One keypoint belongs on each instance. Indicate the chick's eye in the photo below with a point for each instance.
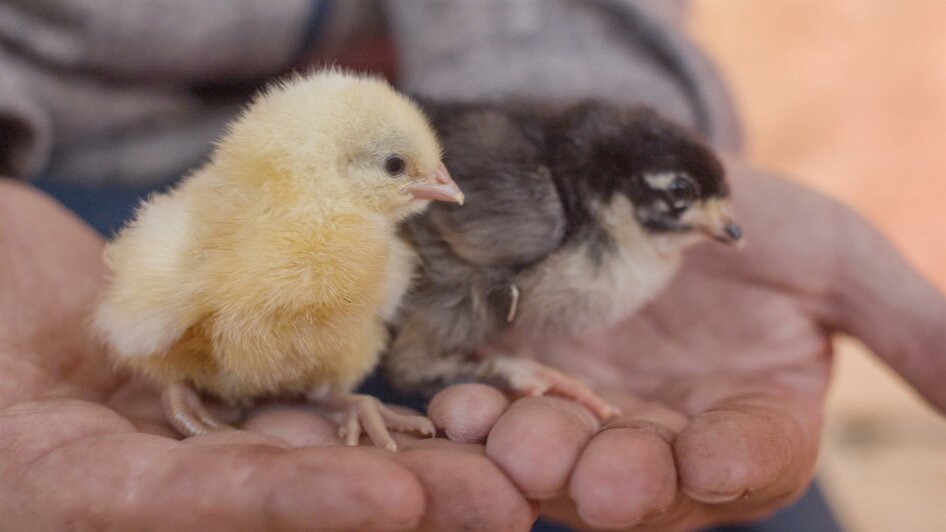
(681, 190)
(394, 165)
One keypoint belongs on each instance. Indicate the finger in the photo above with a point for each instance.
(848, 275)
(234, 436)
(758, 448)
(38, 238)
(465, 491)
(645, 413)
(438, 444)
(537, 441)
(226, 486)
(299, 428)
(885, 302)
(625, 475)
(96, 478)
(467, 412)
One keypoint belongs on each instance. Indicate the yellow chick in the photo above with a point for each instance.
(273, 268)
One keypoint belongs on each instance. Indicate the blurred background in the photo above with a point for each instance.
(849, 97)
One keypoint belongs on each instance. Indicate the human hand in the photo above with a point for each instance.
(82, 447)
(722, 380)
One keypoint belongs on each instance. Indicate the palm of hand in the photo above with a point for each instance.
(88, 448)
(721, 380)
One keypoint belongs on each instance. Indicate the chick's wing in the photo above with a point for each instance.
(148, 304)
(513, 215)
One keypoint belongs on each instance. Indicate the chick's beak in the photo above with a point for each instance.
(718, 223)
(437, 186)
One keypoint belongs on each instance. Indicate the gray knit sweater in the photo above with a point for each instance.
(136, 90)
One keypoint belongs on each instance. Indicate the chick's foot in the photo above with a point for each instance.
(528, 377)
(359, 413)
(186, 412)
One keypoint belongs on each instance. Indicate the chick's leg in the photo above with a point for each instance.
(418, 360)
(186, 412)
(528, 377)
(364, 413)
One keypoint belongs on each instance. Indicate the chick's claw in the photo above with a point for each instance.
(408, 422)
(186, 413)
(528, 377)
(363, 413)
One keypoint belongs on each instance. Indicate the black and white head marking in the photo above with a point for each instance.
(675, 183)
(670, 194)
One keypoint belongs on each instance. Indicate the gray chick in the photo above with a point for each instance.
(576, 216)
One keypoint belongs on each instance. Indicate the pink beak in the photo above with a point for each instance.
(438, 186)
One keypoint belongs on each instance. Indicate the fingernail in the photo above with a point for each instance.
(606, 526)
(712, 498)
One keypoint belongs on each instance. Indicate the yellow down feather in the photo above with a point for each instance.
(271, 269)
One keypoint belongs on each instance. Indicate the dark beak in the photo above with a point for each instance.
(719, 224)
(731, 234)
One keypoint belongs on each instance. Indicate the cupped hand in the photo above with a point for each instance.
(85, 448)
(722, 379)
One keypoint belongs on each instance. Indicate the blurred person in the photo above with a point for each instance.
(723, 388)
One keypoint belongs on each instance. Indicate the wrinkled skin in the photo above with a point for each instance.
(83, 448)
(722, 381)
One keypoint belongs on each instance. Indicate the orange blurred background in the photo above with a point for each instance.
(849, 96)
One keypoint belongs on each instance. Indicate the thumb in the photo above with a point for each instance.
(883, 301)
(81, 466)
